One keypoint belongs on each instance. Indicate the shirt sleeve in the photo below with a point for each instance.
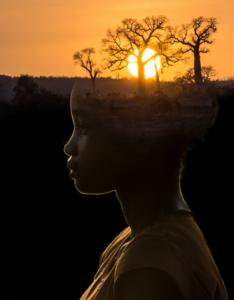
(158, 253)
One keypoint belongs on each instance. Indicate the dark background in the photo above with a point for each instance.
(52, 237)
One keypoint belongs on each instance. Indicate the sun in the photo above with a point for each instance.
(150, 69)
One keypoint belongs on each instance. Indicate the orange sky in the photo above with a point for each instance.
(39, 37)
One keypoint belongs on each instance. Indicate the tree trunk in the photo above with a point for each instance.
(93, 85)
(197, 67)
(157, 77)
(141, 77)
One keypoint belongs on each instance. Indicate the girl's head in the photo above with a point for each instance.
(118, 140)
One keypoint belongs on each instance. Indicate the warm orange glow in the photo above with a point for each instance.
(150, 68)
(79, 24)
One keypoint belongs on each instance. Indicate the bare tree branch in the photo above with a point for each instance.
(130, 36)
(208, 73)
(84, 58)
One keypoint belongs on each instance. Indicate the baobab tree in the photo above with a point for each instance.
(195, 37)
(85, 59)
(133, 38)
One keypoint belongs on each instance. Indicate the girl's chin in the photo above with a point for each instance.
(83, 188)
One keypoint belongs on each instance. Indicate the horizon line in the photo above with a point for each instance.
(229, 78)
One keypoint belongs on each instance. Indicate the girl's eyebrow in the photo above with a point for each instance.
(76, 114)
(79, 113)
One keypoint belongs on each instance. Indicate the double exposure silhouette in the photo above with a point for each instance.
(136, 148)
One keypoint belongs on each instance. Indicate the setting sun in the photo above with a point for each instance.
(150, 68)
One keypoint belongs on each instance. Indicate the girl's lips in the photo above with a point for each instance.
(73, 169)
(72, 174)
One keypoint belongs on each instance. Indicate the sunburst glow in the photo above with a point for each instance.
(150, 68)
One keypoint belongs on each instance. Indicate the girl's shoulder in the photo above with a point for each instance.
(177, 247)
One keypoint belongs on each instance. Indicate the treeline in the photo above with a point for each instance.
(29, 93)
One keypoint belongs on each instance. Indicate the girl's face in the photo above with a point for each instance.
(96, 157)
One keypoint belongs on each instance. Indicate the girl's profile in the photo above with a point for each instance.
(136, 148)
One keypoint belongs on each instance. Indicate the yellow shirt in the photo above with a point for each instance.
(176, 245)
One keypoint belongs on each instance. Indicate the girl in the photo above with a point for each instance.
(136, 148)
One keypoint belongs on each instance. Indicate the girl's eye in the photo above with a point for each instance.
(81, 124)
(81, 127)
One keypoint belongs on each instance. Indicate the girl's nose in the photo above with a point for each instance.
(66, 148)
(70, 147)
